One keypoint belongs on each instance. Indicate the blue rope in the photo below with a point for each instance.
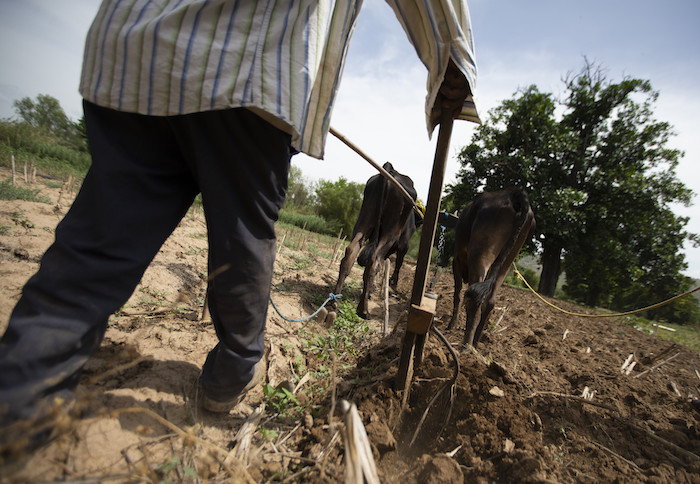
(331, 297)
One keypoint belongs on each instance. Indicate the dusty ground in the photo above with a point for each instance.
(518, 414)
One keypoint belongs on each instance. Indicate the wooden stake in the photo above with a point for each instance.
(12, 162)
(281, 243)
(26, 177)
(301, 235)
(335, 246)
(337, 251)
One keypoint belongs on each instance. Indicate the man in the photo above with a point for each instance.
(199, 96)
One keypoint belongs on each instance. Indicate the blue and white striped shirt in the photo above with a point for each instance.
(283, 59)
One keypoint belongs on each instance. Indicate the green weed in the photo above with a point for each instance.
(281, 401)
(172, 470)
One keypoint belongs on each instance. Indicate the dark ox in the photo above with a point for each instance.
(386, 223)
(489, 234)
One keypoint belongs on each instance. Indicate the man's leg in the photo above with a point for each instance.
(242, 167)
(136, 192)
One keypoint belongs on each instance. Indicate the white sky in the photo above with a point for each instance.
(380, 104)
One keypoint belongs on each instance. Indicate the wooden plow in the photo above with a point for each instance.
(423, 304)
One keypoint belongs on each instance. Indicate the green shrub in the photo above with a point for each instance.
(531, 276)
(313, 223)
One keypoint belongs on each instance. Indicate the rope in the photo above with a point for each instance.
(331, 297)
(653, 306)
(417, 207)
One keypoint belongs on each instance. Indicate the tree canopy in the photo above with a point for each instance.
(47, 114)
(601, 180)
(339, 202)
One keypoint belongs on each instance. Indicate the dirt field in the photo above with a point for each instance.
(518, 415)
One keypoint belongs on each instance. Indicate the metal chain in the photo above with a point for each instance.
(441, 247)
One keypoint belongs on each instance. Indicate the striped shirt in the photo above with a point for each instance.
(283, 59)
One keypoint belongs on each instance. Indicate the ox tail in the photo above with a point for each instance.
(480, 291)
(365, 257)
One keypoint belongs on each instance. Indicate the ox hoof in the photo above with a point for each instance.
(322, 313)
(330, 318)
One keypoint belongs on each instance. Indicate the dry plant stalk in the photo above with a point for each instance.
(359, 462)
(695, 369)
(658, 365)
(500, 318)
(245, 435)
(628, 365)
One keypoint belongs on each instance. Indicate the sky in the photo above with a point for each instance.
(380, 105)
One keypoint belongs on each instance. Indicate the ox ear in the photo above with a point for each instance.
(447, 220)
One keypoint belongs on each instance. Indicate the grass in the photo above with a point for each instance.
(8, 191)
(686, 335)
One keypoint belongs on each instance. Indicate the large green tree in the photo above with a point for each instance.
(45, 112)
(339, 202)
(601, 180)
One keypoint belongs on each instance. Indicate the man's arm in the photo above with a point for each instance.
(440, 31)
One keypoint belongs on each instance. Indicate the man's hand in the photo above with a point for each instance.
(453, 90)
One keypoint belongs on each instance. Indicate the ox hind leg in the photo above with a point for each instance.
(457, 299)
(475, 311)
(394, 281)
(368, 278)
(486, 309)
(351, 253)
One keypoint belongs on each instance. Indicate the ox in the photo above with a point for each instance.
(386, 224)
(489, 234)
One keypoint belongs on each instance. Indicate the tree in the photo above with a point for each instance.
(46, 112)
(300, 195)
(601, 181)
(339, 202)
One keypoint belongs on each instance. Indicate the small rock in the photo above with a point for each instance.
(380, 435)
(531, 340)
(308, 421)
(497, 392)
(441, 468)
(508, 446)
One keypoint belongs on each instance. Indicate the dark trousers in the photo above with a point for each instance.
(145, 173)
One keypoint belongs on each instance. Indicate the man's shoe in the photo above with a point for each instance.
(217, 406)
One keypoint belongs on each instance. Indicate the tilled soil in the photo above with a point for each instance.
(521, 409)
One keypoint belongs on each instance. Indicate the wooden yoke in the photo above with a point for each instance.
(423, 305)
